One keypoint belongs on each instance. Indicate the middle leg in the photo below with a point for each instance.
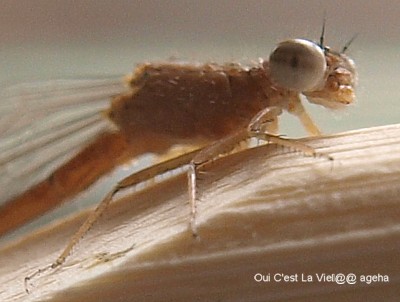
(258, 128)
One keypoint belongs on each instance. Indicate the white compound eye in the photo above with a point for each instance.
(297, 64)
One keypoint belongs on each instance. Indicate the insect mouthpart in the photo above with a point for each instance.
(338, 90)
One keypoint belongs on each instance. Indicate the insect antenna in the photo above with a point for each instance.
(346, 46)
(321, 38)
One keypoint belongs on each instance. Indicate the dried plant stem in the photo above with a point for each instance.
(263, 212)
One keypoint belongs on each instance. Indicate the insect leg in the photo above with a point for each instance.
(205, 156)
(129, 181)
(93, 217)
(260, 122)
(296, 108)
(258, 127)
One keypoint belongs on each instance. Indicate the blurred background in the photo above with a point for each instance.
(46, 39)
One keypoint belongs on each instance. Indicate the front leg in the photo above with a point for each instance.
(296, 108)
(258, 128)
